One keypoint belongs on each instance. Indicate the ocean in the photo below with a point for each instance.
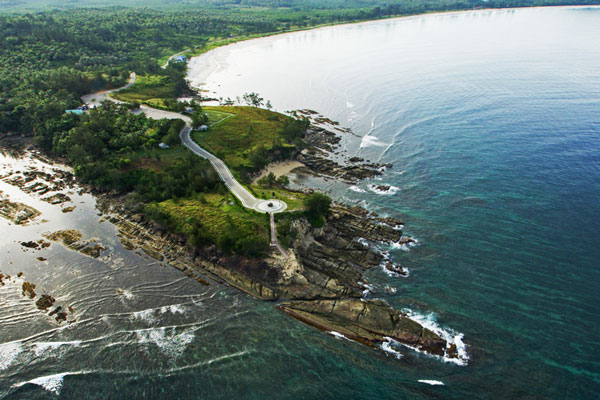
(491, 120)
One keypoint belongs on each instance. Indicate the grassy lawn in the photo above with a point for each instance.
(217, 213)
(293, 200)
(235, 138)
(150, 89)
(216, 117)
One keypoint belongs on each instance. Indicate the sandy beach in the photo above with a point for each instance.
(280, 168)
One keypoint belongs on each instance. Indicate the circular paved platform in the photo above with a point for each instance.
(273, 206)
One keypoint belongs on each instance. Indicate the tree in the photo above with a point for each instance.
(268, 105)
(253, 99)
(318, 205)
(199, 118)
(267, 180)
(282, 181)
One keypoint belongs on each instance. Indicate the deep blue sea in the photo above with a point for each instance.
(492, 122)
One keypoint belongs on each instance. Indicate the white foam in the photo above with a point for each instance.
(386, 259)
(404, 246)
(40, 348)
(388, 347)
(390, 289)
(356, 189)
(348, 104)
(370, 141)
(50, 383)
(363, 241)
(337, 335)
(9, 353)
(391, 191)
(431, 382)
(173, 309)
(405, 272)
(145, 315)
(450, 336)
(167, 340)
(125, 293)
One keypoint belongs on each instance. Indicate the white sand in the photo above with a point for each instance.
(280, 168)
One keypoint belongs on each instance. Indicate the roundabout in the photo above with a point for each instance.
(270, 206)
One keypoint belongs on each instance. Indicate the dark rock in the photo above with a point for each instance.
(30, 244)
(45, 301)
(28, 289)
(394, 268)
(369, 322)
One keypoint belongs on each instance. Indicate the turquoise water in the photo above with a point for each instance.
(492, 122)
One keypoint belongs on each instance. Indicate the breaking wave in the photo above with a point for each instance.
(431, 382)
(449, 335)
(370, 141)
(391, 190)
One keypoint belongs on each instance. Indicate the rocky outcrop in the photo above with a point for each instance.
(323, 137)
(72, 239)
(369, 322)
(17, 213)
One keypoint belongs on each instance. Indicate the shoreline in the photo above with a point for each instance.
(225, 42)
(279, 169)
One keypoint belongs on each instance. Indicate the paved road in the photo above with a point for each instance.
(97, 98)
(239, 191)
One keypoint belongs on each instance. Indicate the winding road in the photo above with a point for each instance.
(240, 192)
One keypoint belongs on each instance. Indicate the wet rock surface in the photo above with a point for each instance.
(73, 240)
(323, 137)
(368, 322)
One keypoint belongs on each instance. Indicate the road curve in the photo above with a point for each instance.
(239, 191)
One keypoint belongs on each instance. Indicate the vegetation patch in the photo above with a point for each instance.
(251, 138)
(213, 218)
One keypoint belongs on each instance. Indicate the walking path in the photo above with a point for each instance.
(274, 241)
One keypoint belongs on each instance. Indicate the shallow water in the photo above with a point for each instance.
(492, 121)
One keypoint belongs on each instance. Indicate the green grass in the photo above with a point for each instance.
(150, 89)
(217, 213)
(216, 117)
(292, 199)
(235, 138)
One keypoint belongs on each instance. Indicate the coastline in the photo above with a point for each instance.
(206, 69)
(279, 168)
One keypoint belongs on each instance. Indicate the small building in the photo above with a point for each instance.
(203, 128)
(77, 111)
(163, 145)
(179, 59)
(189, 110)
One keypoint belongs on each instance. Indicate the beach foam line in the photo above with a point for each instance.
(431, 382)
(51, 383)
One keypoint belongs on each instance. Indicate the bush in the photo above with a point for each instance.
(318, 207)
